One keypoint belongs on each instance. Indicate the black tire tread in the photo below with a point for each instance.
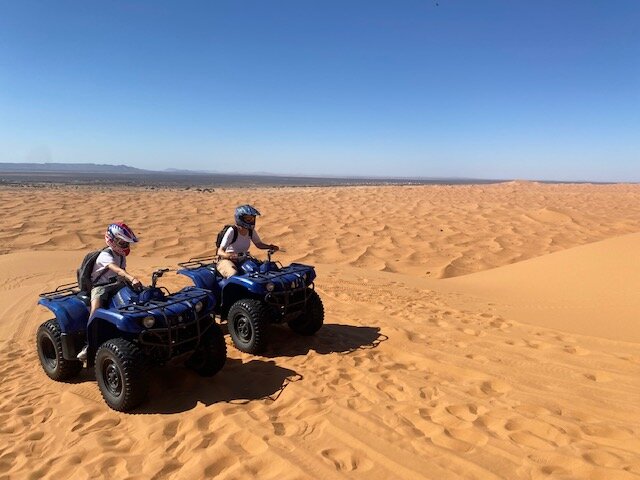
(65, 369)
(215, 350)
(135, 380)
(259, 314)
(312, 319)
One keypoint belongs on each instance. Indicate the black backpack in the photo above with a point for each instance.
(235, 234)
(86, 269)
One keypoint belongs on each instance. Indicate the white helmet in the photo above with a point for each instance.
(118, 237)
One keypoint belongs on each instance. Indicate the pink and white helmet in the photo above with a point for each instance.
(118, 237)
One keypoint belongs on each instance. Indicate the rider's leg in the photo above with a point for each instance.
(226, 268)
(97, 293)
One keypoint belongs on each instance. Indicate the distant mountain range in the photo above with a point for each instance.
(67, 167)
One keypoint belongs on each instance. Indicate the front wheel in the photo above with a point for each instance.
(211, 354)
(248, 322)
(119, 369)
(49, 346)
(310, 321)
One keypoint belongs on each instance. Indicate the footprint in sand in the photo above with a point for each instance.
(292, 429)
(461, 440)
(472, 332)
(394, 391)
(478, 358)
(207, 440)
(536, 434)
(532, 410)
(467, 411)
(598, 376)
(7, 461)
(203, 423)
(170, 429)
(528, 439)
(606, 431)
(439, 323)
(346, 461)
(430, 393)
(359, 404)
(24, 411)
(495, 387)
(219, 465)
(246, 442)
(537, 345)
(501, 324)
(35, 436)
(603, 458)
(416, 337)
(575, 350)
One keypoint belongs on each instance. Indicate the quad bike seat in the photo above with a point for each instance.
(85, 297)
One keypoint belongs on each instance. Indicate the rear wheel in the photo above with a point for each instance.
(211, 354)
(311, 320)
(248, 322)
(49, 346)
(119, 369)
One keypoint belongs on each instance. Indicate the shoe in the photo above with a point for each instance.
(82, 356)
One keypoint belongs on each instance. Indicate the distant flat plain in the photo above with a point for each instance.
(179, 179)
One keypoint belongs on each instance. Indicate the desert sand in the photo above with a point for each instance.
(477, 332)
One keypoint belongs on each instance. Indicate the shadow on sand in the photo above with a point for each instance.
(331, 338)
(177, 389)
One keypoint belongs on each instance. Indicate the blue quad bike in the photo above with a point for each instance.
(139, 329)
(263, 293)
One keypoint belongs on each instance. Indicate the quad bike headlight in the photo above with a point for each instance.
(149, 321)
(198, 307)
(270, 286)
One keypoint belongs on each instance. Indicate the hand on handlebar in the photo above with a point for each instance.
(136, 284)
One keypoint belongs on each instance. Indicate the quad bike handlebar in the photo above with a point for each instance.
(154, 280)
(271, 251)
(156, 275)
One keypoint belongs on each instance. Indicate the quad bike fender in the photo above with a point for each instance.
(104, 319)
(71, 312)
(300, 268)
(237, 286)
(202, 277)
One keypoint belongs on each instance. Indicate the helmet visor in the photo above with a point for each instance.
(250, 219)
(121, 243)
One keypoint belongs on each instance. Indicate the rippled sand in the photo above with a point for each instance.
(471, 332)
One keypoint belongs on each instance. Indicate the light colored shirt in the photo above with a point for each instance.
(242, 243)
(104, 259)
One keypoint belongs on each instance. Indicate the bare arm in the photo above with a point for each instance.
(227, 255)
(121, 272)
(267, 246)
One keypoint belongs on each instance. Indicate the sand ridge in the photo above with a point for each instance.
(411, 377)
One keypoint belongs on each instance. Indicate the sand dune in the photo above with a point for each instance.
(591, 289)
(509, 372)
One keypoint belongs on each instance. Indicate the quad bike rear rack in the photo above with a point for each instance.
(197, 262)
(61, 291)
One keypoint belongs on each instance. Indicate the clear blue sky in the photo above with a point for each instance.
(489, 89)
